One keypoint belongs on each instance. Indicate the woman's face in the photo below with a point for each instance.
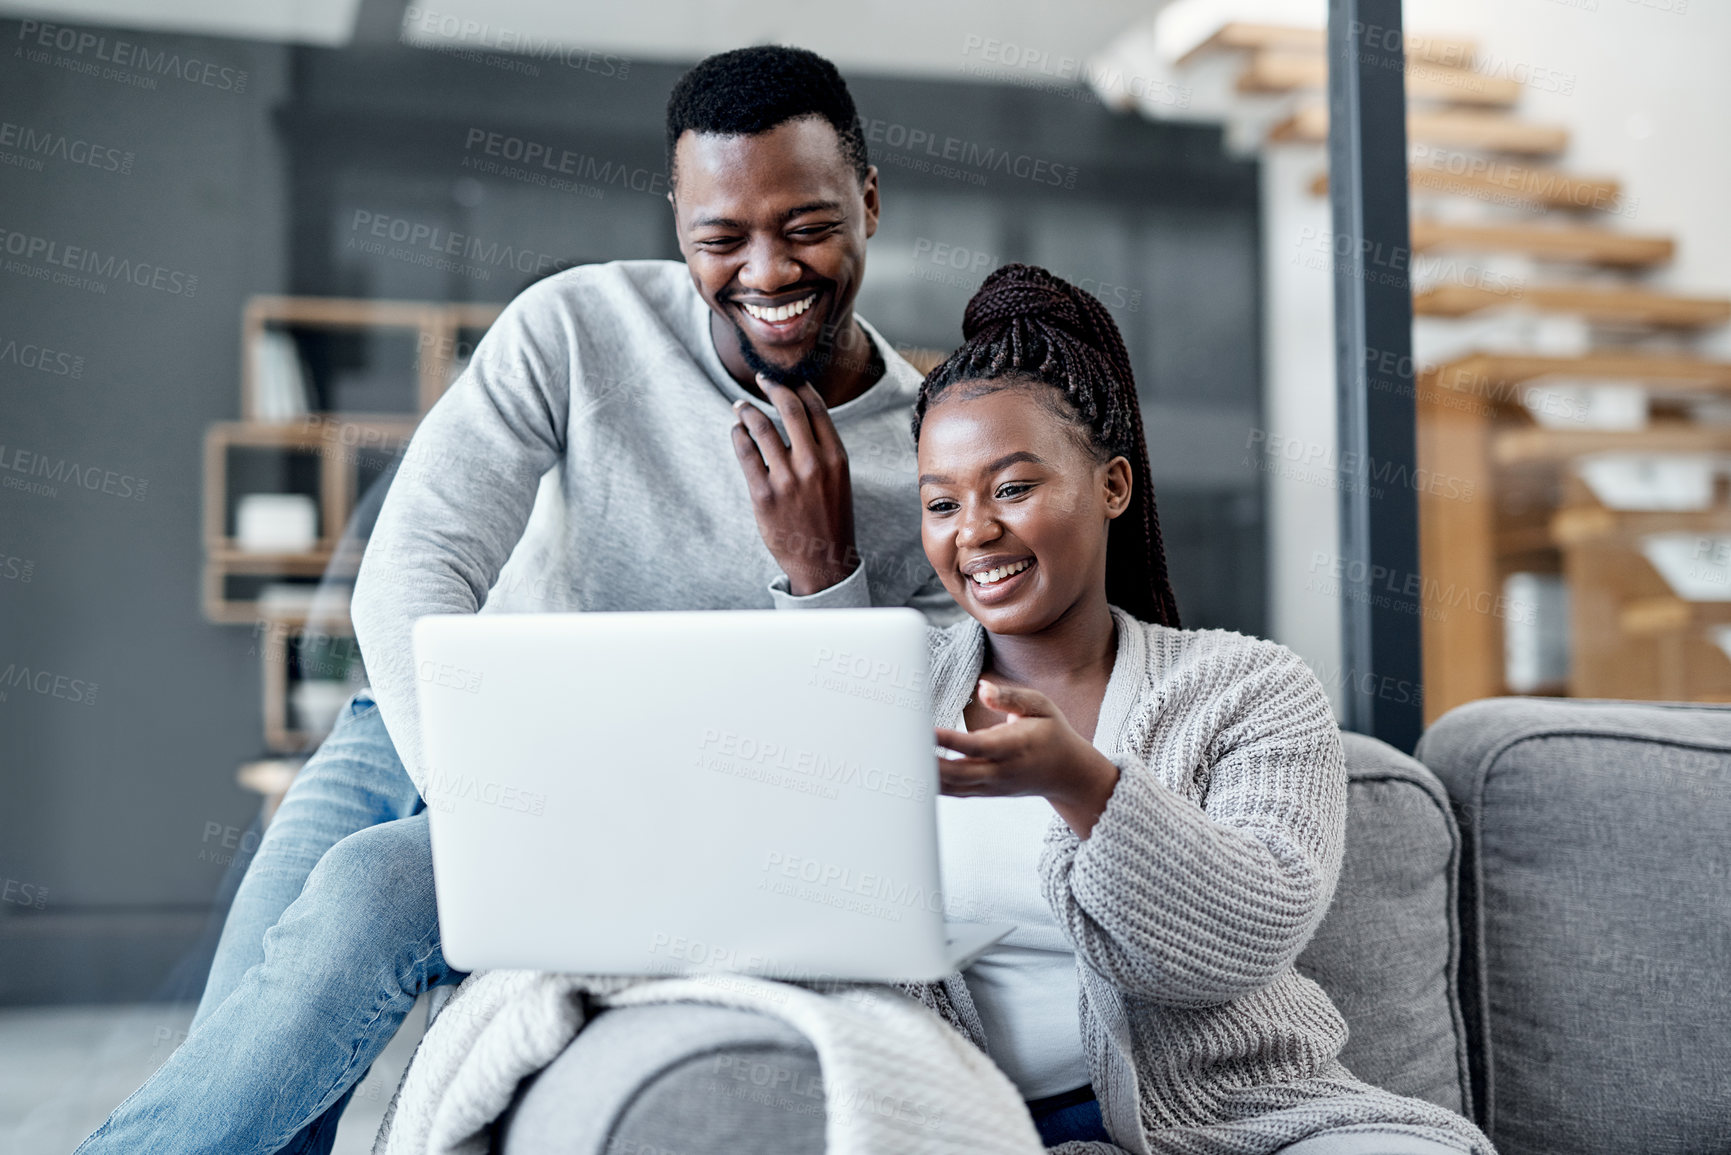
(1008, 491)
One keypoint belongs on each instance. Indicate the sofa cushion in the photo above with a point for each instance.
(1387, 951)
(1597, 916)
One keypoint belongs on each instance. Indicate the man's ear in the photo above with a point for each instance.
(1120, 483)
(678, 235)
(869, 193)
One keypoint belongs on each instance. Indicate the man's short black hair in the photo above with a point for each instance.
(751, 90)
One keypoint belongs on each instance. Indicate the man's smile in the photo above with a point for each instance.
(785, 320)
(781, 313)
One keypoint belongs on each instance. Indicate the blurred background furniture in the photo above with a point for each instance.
(331, 391)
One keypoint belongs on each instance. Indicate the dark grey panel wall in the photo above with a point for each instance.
(141, 205)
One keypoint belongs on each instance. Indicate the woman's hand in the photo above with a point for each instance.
(1034, 751)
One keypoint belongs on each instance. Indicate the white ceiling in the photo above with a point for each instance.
(929, 37)
(897, 36)
(301, 21)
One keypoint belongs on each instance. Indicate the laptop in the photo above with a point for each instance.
(665, 793)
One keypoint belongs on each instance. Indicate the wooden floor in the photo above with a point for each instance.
(63, 1069)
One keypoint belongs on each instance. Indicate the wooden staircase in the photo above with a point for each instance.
(1610, 306)
(1490, 131)
(1581, 244)
(1237, 35)
(1502, 182)
(1490, 184)
(1275, 71)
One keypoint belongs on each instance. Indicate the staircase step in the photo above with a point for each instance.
(1500, 182)
(1578, 244)
(1536, 446)
(1239, 35)
(1649, 617)
(1497, 377)
(1579, 525)
(1610, 305)
(1454, 128)
(1285, 71)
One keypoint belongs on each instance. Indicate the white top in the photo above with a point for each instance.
(1025, 987)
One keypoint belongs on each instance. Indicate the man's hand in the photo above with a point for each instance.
(801, 492)
(1034, 751)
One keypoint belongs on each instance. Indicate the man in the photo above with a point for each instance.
(635, 398)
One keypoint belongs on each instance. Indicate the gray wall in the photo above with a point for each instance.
(109, 805)
(105, 801)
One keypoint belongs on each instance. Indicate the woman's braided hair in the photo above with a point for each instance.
(1026, 323)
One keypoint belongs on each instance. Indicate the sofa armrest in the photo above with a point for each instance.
(673, 1077)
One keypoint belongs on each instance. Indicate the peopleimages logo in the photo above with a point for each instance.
(124, 55)
(462, 33)
(45, 251)
(923, 144)
(544, 163)
(27, 355)
(971, 266)
(1313, 461)
(21, 461)
(444, 791)
(46, 683)
(24, 893)
(432, 245)
(34, 144)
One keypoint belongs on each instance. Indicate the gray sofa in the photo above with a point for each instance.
(1532, 927)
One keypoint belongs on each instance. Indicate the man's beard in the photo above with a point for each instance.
(810, 369)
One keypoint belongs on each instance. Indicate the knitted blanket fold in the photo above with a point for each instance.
(873, 1043)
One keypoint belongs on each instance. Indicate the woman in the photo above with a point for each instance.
(1160, 811)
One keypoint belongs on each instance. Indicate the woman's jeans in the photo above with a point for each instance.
(332, 935)
(1077, 1121)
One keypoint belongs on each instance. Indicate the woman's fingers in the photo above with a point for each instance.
(961, 777)
(1015, 700)
(971, 744)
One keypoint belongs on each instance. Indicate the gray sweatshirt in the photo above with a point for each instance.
(597, 402)
(1188, 904)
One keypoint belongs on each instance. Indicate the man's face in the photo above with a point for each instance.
(774, 228)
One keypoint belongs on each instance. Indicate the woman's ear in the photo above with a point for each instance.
(1119, 482)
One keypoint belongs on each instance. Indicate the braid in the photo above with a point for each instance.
(1024, 321)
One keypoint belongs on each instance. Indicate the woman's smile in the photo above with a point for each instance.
(1000, 582)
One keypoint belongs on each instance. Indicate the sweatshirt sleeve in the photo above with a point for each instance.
(850, 593)
(934, 601)
(459, 502)
(1194, 905)
(854, 592)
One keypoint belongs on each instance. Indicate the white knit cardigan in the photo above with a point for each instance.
(1214, 862)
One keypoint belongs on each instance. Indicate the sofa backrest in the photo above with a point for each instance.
(1388, 950)
(1596, 892)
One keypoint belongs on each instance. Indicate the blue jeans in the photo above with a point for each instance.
(1075, 1121)
(332, 936)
